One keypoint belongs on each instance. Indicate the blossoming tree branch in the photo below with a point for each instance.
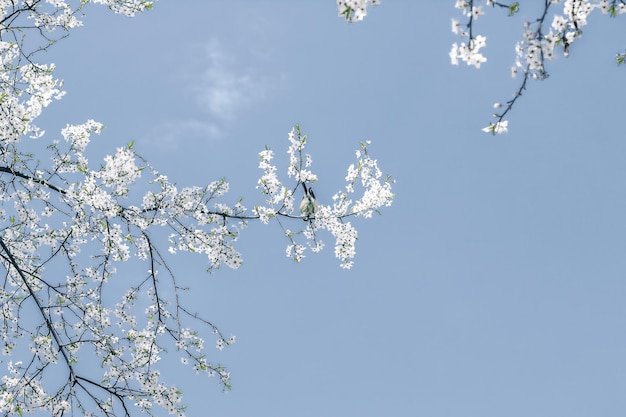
(71, 344)
(557, 27)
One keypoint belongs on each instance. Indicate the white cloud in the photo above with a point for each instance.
(225, 88)
(222, 85)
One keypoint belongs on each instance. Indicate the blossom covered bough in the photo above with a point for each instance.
(72, 343)
(554, 30)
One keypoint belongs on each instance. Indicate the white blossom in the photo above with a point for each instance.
(497, 128)
(355, 10)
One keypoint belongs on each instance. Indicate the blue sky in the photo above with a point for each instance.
(495, 283)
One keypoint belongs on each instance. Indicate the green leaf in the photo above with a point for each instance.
(513, 8)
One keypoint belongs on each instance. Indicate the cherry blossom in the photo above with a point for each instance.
(497, 128)
(355, 10)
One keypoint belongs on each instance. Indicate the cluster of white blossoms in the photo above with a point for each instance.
(539, 41)
(375, 194)
(355, 10)
(125, 7)
(469, 50)
(70, 342)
